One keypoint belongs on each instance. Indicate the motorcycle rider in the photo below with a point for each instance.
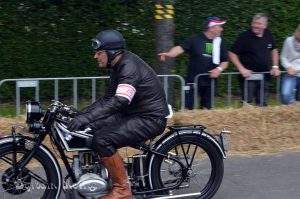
(132, 110)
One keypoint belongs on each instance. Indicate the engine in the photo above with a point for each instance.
(91, 185)
(92, 177)
(93, 180)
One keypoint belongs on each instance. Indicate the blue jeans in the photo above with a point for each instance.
(289, 84)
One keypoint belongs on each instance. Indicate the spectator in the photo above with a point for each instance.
(290, 60)
(207, 54)
(251, 53)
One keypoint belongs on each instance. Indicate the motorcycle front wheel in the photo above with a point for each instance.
(203, 164)
(38, 179)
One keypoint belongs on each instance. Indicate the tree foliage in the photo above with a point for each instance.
(51, 38)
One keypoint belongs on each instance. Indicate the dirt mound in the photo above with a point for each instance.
(255, 130)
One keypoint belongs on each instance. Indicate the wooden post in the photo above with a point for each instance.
(164, 32)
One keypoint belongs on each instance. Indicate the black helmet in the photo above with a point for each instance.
(108, 40)
(111, 41)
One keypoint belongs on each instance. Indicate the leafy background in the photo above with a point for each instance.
(51, 38)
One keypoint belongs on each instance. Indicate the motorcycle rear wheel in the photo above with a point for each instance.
(204, 175)
(39, 178)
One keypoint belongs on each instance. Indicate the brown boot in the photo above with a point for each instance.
(115, 167)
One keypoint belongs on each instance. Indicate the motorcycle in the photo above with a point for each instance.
(184, 162)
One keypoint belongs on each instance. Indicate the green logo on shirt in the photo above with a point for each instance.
(208, 48)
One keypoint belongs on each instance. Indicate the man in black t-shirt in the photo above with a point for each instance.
(207, 54)
(252, 52)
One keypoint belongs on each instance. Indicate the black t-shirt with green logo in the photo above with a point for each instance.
(200, 48)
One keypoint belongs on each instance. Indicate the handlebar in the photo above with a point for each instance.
(66, 110)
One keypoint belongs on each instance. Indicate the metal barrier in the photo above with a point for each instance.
(34, 83)
(255, 76)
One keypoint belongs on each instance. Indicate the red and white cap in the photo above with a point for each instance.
(213, 21)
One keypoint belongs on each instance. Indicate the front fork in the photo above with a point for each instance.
(31, 145)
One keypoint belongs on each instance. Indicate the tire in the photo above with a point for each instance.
(39, 179)
(205, 173)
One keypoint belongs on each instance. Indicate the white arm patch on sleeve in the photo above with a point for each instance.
(126, 90)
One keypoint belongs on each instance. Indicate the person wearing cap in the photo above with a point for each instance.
(207, 54)
(251, 52)
(132, 110)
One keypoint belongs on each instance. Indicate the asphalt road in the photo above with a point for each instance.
(261, 177)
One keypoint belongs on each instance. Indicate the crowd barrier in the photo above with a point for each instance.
(174, 85)
(167, 80)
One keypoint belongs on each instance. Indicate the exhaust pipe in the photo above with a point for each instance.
(178, 196)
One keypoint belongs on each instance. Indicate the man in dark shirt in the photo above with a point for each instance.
(207, 55)
(252, 52)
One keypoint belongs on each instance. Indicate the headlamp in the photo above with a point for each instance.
(33, 112)
(96, 44)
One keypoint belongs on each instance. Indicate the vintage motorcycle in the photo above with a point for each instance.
(185, 162)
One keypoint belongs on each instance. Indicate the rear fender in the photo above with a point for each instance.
(201, 133)
(171, 135)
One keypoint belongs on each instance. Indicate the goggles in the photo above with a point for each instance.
(96, 44)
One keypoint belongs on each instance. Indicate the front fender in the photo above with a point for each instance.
(9, 139)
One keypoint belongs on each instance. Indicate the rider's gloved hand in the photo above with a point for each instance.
(77, 123)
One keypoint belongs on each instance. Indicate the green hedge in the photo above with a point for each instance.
(51, 38)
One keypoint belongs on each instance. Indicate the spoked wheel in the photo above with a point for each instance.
(39, 178)
(203, 172)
